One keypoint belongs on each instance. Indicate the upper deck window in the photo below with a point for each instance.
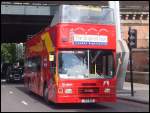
(83, 14)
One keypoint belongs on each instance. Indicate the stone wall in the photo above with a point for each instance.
(140, 60)
(140, 66)
(139, 77)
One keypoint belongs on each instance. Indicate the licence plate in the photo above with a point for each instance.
(17, 79)
(87, 100)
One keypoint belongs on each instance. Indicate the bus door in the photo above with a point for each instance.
(44, 72)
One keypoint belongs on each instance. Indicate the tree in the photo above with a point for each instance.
(8, 52)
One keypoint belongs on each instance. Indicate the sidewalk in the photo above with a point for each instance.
(141, 93)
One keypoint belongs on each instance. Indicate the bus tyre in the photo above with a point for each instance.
(46, 94)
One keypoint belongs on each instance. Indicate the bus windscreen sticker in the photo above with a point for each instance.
(90, 39)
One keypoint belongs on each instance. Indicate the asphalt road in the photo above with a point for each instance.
(16, 98)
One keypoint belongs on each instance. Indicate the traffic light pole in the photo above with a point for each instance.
(131, 73)
(131, 44)
(130, 56)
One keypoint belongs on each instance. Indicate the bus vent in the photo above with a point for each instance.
(88, 84)
(88, 90)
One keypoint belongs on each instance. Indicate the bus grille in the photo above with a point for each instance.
(88, 90)
(88, 84)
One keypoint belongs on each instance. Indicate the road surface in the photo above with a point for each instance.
(16, 98)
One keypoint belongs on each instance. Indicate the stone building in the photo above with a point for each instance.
(137, 17)
(140, 22)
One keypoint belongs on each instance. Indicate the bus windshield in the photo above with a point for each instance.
(86, 64)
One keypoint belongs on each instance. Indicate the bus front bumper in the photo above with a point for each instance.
(73, 99)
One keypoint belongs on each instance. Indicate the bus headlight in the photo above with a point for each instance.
(60, 90)
(68, 91)
(107, 90)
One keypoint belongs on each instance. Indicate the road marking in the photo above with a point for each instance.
(10, 92)
(3, 80)
(24, 102)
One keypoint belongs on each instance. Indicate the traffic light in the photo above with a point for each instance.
(132, 39)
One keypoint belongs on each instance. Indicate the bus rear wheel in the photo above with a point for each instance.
(46, 94)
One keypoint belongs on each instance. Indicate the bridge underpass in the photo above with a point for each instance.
(22, 18)
(16, 28)
(19, 21)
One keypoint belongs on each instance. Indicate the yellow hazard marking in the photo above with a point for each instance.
(48, 42)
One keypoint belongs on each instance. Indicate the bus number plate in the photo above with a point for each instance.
(87, 100)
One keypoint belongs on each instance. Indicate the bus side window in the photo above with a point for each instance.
(36, 64)
(52, 60)
(29, 64)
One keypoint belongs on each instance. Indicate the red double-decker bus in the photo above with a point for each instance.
(74, 59)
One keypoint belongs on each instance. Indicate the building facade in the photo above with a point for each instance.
(138, 21)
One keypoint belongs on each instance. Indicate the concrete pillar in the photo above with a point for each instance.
(115, 5)
(121, 48)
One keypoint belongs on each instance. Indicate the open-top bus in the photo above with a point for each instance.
(74, 59)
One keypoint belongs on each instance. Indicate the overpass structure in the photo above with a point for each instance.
(22, 18)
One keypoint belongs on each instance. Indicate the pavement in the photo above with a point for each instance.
(141, 93)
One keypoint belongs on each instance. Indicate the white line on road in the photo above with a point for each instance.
(10, 92)
(24, 102)
(3, 80)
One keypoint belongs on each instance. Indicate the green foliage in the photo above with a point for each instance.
(8, 52)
